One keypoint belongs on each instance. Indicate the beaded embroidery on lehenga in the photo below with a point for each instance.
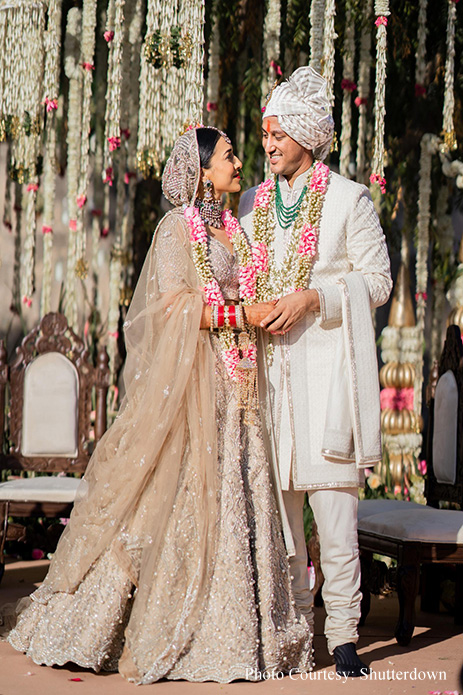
(247, 622)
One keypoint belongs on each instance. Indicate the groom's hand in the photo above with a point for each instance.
(256, 312)
(289, 310)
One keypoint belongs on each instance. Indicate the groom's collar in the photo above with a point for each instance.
(298, 185)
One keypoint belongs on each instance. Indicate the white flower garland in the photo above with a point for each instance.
(363, 91)
(115, 274)
(348, 87)
(400, 344)
(16, 299)
(420, 70)
(382, 12)
(399, 444)
(429, 145)
(172, 60)
(329, 37)
(51, 92)
(449, 97)
(213, 79)
(317, 25)
(271, 48)
(87, 66)
(73, 71)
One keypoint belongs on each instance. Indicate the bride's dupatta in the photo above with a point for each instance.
(166, 422)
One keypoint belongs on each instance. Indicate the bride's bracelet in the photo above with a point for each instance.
(228, 316)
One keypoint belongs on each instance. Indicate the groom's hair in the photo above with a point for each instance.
(207, 140)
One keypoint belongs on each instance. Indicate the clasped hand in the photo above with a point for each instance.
(280, 316)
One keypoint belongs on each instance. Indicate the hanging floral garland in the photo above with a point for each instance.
(50, 91)
(172, 59)
(87, 66)
(348, 86)
(363, 91)
(317, 24)
(16, 299)
(21, 80)
(74, 73)
(329, 37)
(449, 97)
(420, 70)
(382, 12)
(429, 146)
(213, 79)
(271, 48)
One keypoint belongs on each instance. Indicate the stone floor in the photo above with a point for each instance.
(430, 664)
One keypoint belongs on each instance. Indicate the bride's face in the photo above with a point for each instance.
(224, 169)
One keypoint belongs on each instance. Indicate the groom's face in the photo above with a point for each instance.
(285, 155)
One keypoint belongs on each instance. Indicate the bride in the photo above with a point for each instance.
(173, 564)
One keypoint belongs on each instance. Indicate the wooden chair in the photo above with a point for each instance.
(45, 423)
(418, 535)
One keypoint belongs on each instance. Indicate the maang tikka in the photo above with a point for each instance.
(209, 208)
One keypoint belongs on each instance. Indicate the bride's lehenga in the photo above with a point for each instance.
(247, 621)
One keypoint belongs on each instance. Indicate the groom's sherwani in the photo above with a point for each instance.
(299, 380)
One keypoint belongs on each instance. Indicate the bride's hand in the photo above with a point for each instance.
(256, 313)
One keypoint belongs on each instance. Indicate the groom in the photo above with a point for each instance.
(310, 219)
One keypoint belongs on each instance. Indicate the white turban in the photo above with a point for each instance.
(303, 110)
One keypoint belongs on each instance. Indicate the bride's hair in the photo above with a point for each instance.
(207, 139)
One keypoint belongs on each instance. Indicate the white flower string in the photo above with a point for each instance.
(16, 298)
(363, 89)
(171, 72)
(271, 47)
(73, 72)
(449, 97)
(420, 69)
(329, 38)
(444, 240)
(348, 86)
(114, 38)
(429, 146)
(213, 78)
(87, 67)
(317, 24)
(115, 273)
(382, 12)
(51, 102)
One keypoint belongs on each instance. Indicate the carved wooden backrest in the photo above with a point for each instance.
(50, 400)
(445, 433)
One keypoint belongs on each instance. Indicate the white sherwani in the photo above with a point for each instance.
(296, 390)
(350, 239)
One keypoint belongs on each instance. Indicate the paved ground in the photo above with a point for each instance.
(430, 664)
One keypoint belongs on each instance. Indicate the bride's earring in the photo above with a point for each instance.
(210, 209)
(208, 197)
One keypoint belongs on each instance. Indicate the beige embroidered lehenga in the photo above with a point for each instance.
(173, 564)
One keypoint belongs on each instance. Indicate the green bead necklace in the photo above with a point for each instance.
(287, 214)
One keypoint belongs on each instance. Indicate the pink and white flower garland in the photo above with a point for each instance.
(247, 282)
(293, 276)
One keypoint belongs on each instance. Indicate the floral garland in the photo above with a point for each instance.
(51, 91)
(293, 275)
(317, 24)
(271, 48)
(363, 81)
(329, 37)
(420, 70)
(449, 97)
(348, 86)
(429, 146)
(213, 77)
(73, 71)
(382, 12)
(212, 291)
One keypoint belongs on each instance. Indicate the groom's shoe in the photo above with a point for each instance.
(348, 662)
